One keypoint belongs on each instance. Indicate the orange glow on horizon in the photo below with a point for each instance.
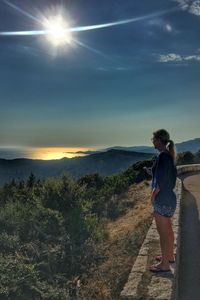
(48, 153)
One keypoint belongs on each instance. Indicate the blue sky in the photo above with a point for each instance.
(126, 82)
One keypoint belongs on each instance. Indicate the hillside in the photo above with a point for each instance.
(119, 249)
(105, 163)
(62, 239)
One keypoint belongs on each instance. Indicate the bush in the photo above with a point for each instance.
(185, 158)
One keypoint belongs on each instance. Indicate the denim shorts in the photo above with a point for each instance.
(164, 210)
(165, 204)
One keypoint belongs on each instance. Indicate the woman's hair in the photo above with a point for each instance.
(164, 137)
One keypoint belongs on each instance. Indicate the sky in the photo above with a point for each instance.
(107, 86)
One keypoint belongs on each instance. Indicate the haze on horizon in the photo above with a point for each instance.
(114, 87)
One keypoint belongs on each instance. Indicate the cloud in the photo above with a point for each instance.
(161, 24)
(113, 69)
(192, 57)
(103, 69)
(195, 8)
(172, 57)
(192, 7)
(168, 27)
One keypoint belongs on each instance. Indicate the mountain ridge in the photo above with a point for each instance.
(105, 163)
(192, 145)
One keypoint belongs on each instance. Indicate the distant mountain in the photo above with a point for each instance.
(105, 163)
(111, 160)
(143, 149)
(190, 145)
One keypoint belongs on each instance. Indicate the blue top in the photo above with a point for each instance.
(153, 183)
(164, 172)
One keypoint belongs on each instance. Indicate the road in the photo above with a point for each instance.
(189, 275)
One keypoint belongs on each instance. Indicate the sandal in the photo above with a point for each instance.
(159, 258)
(157, 269)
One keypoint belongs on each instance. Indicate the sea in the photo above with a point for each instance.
(45, 153)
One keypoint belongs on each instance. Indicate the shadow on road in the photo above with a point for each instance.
(189, 270)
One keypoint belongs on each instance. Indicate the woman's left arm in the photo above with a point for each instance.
(161, 173)
(155, 191)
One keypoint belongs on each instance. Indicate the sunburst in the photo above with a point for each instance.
(57, 30)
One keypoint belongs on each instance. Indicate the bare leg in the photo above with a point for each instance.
(159, 231)
(171, 240)
(165, 231)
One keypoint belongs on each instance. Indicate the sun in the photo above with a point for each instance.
(57, 29)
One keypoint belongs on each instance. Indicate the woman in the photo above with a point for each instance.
(163, 198)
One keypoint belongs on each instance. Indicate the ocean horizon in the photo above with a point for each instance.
(48, 153)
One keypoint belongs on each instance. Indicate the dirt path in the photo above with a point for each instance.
(139, 196)
(189, 275)
(124, 238)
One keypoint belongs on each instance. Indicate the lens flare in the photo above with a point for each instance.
(89, 27)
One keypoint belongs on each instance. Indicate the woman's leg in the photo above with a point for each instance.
(165, 231)
(171, 240)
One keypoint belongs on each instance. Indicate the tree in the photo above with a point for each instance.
(186, 157)
(197, 156)
(31, 180)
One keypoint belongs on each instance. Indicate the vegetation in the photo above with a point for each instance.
(188, 157)
(49, 229)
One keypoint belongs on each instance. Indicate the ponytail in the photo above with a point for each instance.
(172, 150)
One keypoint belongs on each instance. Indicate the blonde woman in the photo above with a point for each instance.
(163, 198)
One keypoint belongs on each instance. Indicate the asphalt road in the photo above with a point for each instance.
(189, 275)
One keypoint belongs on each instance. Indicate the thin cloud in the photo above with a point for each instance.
(173, 57)
(113, 69)
(168, 27)
(161, 24)
(193, 57)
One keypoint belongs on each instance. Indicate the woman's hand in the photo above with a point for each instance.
(148, 170)
(152, 198)
(155, 191)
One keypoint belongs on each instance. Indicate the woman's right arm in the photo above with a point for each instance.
(148, 170)
(154, 192)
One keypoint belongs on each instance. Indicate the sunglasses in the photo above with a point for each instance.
(153, 139)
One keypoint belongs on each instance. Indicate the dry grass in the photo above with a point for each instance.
(124, 238)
